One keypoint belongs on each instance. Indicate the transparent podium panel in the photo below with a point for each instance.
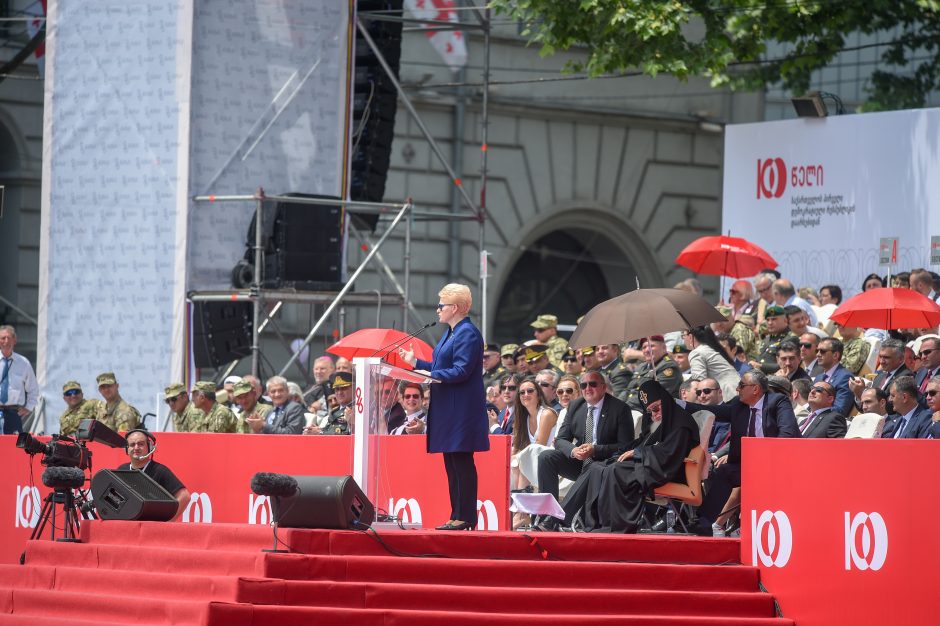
(376, 392)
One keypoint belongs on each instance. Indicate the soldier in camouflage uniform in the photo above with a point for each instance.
(186, 417)
(856, 348)
(247, 399)
(492, 370)
(742, 329)
(546, 332)
(78, 408)
(777, 332)
(616, 371)
(114, 412)
(507, 358)
(341, 415)
(664, 370)
(218, 418)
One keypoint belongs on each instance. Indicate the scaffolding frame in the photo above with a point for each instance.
(478, 213)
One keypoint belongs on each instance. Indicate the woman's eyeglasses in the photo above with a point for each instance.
(441, 305)
(527, 391)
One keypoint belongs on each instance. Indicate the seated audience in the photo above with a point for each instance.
(287, 417)
(709, 360)
(823, 422)
(909, 420)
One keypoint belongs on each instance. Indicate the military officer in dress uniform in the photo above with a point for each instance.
(219, 418)
(78, 408)
(536, 359)
(114, 412)
(571, 363)
(341, 415)
(492, 370)
(680, 354)
(186, 417)
(546, 332)
(777, 331)
(663, 369)
(246, 397)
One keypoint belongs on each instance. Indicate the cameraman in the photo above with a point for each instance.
(140, 448)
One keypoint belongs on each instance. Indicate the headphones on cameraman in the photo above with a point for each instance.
(151, 441)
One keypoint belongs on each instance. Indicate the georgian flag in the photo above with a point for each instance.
(449, 44)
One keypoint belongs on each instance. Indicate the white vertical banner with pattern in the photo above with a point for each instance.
(149, 103)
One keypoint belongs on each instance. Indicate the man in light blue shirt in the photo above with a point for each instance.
(785, 295)
(19, 391)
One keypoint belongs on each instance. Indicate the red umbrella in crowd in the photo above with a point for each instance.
(723, 255)
(888, 308)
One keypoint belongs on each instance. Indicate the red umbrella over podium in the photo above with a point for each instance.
(380, 342)
(723, 255)
(888, 308)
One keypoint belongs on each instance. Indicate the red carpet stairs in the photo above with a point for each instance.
(215, 574)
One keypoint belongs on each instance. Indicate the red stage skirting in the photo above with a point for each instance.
(843, 530)
(152, 573)
(218, 470)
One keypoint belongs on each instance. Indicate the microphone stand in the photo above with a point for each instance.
(388, 349)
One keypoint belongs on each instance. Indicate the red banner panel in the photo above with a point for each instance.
(217, 470)
(843, 530)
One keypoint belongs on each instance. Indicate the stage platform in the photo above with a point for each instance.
(214, 574)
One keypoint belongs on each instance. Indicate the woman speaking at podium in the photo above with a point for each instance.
(457, 423)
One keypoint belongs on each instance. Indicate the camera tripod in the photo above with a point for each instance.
(76, 506)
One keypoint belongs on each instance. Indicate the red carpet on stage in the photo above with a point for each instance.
(217, 574)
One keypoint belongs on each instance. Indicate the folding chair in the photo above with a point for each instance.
(696, 471)
(866, 426)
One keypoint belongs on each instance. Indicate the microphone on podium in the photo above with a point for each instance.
(388, 349)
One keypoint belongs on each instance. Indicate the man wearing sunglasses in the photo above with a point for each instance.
(833, 372)
(78, 408)
(930, 360)
(186, 417)
(756, 412)
(823, 422)
(411, 400)
(598, 427)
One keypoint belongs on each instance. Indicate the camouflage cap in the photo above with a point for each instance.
(71, 385)
(342, 380)
(173, 390)
(508, 349)
(106, 378)
(241, 387)
(680, 348)
(535, 352)
(774, 311)
(544, 321)
(724, 310)
(206, 386)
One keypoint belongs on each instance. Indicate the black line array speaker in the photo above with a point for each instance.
(221, 332)
(375, 102)
(324, 502)
(131, 495)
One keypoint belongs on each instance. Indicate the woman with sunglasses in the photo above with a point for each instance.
(534, 425)
(456, 422)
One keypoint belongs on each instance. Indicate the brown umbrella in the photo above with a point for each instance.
(643, 313)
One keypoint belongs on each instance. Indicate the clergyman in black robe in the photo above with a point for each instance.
(617, 491)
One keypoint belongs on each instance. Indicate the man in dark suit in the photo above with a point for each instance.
(788, 360)
(823, 421)
(890, 363)
(909, 420)
(930, 357)
(829, 356)
(598, 427)
(508, 388)
(287, 417)
(754, 413)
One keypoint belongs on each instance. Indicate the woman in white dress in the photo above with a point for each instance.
(708, 360)
(534, 423)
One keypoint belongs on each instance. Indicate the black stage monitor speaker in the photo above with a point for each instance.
(221, 332)
(324, 502)
(131, 495)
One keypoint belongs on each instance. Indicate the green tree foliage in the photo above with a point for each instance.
(725, 40)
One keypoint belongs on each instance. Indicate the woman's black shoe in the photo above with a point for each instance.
(456, 526)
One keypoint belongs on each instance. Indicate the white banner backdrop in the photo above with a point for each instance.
(818, 194)
(147, 104)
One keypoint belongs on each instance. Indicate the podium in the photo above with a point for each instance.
(369, 423)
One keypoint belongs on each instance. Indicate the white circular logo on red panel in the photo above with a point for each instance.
(28, 507)
(407, 510)
(259, 509)
(771, 538)
(866, 541)
(487, 519)
(199, 509)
